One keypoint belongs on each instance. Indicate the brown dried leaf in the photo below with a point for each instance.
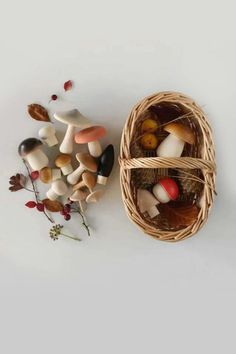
(38, 112)
(179, 216)
(52, 205)
(17, 182)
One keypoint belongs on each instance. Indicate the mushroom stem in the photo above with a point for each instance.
(171, 146)
(66, 146)
(73, 177)
(37, 159)
(95, 149)
(51, 140)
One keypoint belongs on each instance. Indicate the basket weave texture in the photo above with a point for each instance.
(194, 172)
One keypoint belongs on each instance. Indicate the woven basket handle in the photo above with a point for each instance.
(172, 162)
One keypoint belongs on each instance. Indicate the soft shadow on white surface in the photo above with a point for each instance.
(119, 291)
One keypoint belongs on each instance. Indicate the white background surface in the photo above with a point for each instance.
(120, 291)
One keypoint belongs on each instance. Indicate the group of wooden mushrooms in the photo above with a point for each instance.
(172, 146)
(93, 167)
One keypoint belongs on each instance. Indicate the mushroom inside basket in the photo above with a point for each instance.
(167, 166)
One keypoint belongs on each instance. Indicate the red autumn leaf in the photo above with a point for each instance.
(31, 204)
(40, 206)
(34, 175)
(68, 85)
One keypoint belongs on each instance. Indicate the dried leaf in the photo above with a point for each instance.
(68, 85)
(52, 205)
(38, 112)
(17, 182)
(179, 216)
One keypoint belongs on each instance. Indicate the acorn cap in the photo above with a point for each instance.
(28, 145)
(72, 117)
(181, 131)
(88, 180)
(62, 160)
(170, 187)
(45, 174)
(78, 195)
(87, 160)
(94, 196)
(90, 134)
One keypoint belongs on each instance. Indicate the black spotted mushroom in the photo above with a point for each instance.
(31, 151)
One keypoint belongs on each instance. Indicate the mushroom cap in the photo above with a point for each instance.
(59, 187)
(90, 134)
(46, 131)
(170, 187)
(181, 131)
(94, 196)
(88, 179)
(78, 195)
(28, 145)
(72, 117)
(87, 160)
(62, 160)
(45, 174)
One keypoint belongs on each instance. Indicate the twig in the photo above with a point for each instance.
(36, 192)
(76, 209)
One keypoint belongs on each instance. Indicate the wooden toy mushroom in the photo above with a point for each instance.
(31, 151)
(88, 180)
(87, 162)
(73, 119)
(95, 196)
(79, 196)
(91, 137)
(105, 164)
(63, 161)
(58, 188)
(165, 190)
(173, 144)
(147, 203)
(48, 135)
(47, 174)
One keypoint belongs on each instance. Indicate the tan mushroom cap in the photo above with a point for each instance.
(181, 131)
(62, 160)
(78, 195)
(94, 196)
(87, 160)
(45, 175)
(88, 180)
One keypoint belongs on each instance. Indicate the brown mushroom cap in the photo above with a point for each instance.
(62, 160)
(87, 160)
(88, 180)
(28, 145)
(45, 174)
(181, 131)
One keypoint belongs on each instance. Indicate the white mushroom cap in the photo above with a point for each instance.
(73, 117)
(47, 134)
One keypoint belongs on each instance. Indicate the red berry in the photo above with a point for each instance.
(67, 208)
(34, 175)
(31, 204)
(54, 97)
(67, 217)
(63, 212)
(40, 206)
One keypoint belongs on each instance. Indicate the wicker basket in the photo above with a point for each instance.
(194, 172)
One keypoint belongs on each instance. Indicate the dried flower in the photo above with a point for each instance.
(55, 232)
(17, 182)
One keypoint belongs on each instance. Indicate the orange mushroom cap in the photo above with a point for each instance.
(90, 134)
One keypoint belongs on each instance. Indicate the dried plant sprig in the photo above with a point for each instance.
(76, 208)
(56, 231)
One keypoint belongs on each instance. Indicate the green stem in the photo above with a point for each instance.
(73, 238)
